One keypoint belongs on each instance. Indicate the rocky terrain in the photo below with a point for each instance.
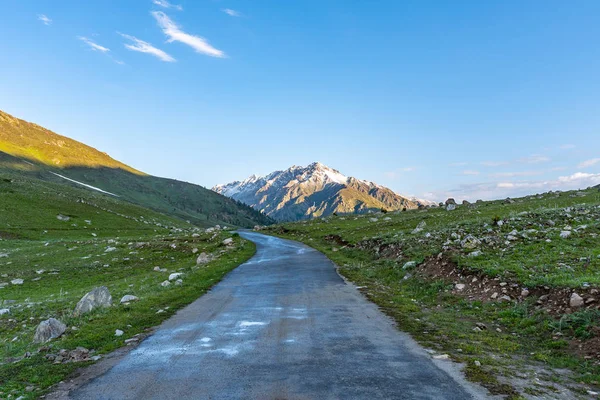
(509, 288)
(83, 273)
(313, 191)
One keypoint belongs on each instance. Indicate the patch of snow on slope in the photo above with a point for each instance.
(85, 184)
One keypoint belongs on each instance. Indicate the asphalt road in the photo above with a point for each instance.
(284, 325)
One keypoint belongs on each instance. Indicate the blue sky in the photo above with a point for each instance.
(432, 98)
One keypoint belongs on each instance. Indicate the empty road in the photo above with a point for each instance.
(284, 325)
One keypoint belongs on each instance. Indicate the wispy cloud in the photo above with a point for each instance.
(493, 163)
(93, 45)
(534, 159)
(231, 12)
(44, 19)
(515, 174)
(497, 190)
(589, 163)
(470, 172)
(175, 34)
(96, 47)
(145, 47)
(166, 4)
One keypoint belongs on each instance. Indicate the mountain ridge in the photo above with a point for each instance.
(31, 150)
(312, 191)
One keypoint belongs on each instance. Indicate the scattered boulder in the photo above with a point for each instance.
(4, 311)
(508, 200)
(409, 265)
(64, 218)
(128, 298)
(119, 332)
(17, 281)
(99, 297)
(576, 301)
(203, 258)
(419, 227)
(228, 242)
(175, 275)
(48, 330)
(470, 242)
(451, 207)
(460, 286)
(450, 201)
(565, 234)
(165, 284)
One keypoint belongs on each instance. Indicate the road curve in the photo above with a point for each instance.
(284, 325)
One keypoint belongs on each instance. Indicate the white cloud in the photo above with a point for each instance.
(534, 159)
(493, 163)
(470, 172)
(457, 164)
(498, 190)
(93, 45)
(44, 19)
(589, 163)
(514, 174)
(175, 34)
(231, 12)
(145, 47)
(166, 4)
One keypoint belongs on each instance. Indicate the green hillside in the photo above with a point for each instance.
(59, 242)
(27, 149)
(510, 288)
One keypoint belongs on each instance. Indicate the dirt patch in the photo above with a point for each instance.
(337, 239)
(8, 235)
(479, 286)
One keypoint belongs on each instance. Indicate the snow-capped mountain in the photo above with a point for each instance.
(314, 191)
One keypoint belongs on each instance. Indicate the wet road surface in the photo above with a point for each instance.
(284, 325)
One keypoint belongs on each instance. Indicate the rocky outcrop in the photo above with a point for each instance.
(99, 297)
(48, 330)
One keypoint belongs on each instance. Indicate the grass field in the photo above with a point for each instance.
(62, 242)
(488, 284)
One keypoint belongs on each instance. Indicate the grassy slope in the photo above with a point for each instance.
(23, 143)
(524, 349)
(75, 261)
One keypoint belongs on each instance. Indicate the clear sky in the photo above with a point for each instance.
(474, 99)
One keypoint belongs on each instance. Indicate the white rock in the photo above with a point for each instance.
(442, 356)
(409, 265)
(165, 283)
(419, 227)
(109, 249)
(119, 332)
(451, 207)
(49, 329)
(576, 301)
(228, 241)
(203, 258)
(61, 217)
(98, 297)
(373, 219)
(17, 281)
(460, 286)
(128, 298)
(179, 282)
(4, 311)
(175, 275)
(565, 234)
